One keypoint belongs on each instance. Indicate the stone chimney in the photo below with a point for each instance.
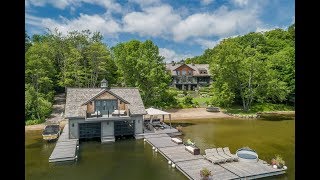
(173, 63)
(104, 83)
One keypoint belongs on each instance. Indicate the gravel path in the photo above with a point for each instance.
(57, 110)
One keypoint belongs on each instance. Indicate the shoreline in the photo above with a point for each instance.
(177, 115)
(41, 126)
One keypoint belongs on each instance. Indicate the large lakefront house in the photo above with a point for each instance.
(189, 76)
(104, 112)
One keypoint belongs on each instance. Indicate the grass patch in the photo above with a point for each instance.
(201, 100)
(266, 107)
(33, 122)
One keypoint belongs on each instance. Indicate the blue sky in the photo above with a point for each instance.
(180, 28)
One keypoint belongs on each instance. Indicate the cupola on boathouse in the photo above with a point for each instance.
(104, 83)
(105, 112)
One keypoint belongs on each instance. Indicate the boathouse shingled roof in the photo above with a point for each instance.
(75, 97)
(197, 67)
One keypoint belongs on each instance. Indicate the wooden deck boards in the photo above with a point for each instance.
(153, 135)
(65, 149)
(192, 169)
(190, 165)
(178, 153)
(160, 142)
(251, 170)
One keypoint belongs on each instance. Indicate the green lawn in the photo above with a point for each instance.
(266, 107)
(201, 100)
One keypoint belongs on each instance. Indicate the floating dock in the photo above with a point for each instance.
(65, 149)
(190, 165)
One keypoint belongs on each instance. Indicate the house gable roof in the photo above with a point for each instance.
(104, 91)
(75, 97)
(197, 68)
(183, 65)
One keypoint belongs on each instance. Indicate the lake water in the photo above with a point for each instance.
(134, 159)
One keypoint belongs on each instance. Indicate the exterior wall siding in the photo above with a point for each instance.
(74, 128)
(186, 68)
(90, 107)
(122, 105)
(106, 95)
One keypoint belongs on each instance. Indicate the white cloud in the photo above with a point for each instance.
(108, 4)
(153, 21)
(171, 55)
(293, 20)
(240, 3)
(62, 4)
(105, 25)
(206, 2)
(265, 29)
(33, 20)
(205, 44)
(222, 23)
(144, 3)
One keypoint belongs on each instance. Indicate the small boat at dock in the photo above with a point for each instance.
(51, 132)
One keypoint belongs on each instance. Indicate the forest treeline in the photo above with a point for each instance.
(257, 67)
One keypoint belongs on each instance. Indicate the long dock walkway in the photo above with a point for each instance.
(65, 149)
(190, 165)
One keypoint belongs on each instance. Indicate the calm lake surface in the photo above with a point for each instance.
(134, 159)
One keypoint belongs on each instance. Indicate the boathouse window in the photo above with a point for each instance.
(72, 124)
(184, 72)
(106, 106)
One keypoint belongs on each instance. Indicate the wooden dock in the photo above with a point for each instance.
(65, 149)
(190, 165)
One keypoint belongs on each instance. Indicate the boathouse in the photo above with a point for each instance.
(105, 112)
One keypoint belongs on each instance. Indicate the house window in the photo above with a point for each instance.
(203, 72)
(184, 72)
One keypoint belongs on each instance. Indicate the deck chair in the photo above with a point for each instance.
(212, 158)
(227, 152)
(215, 153)
(221, 153)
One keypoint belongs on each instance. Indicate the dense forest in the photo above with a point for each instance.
(253, 68)
(54, 62)
(256, 67)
